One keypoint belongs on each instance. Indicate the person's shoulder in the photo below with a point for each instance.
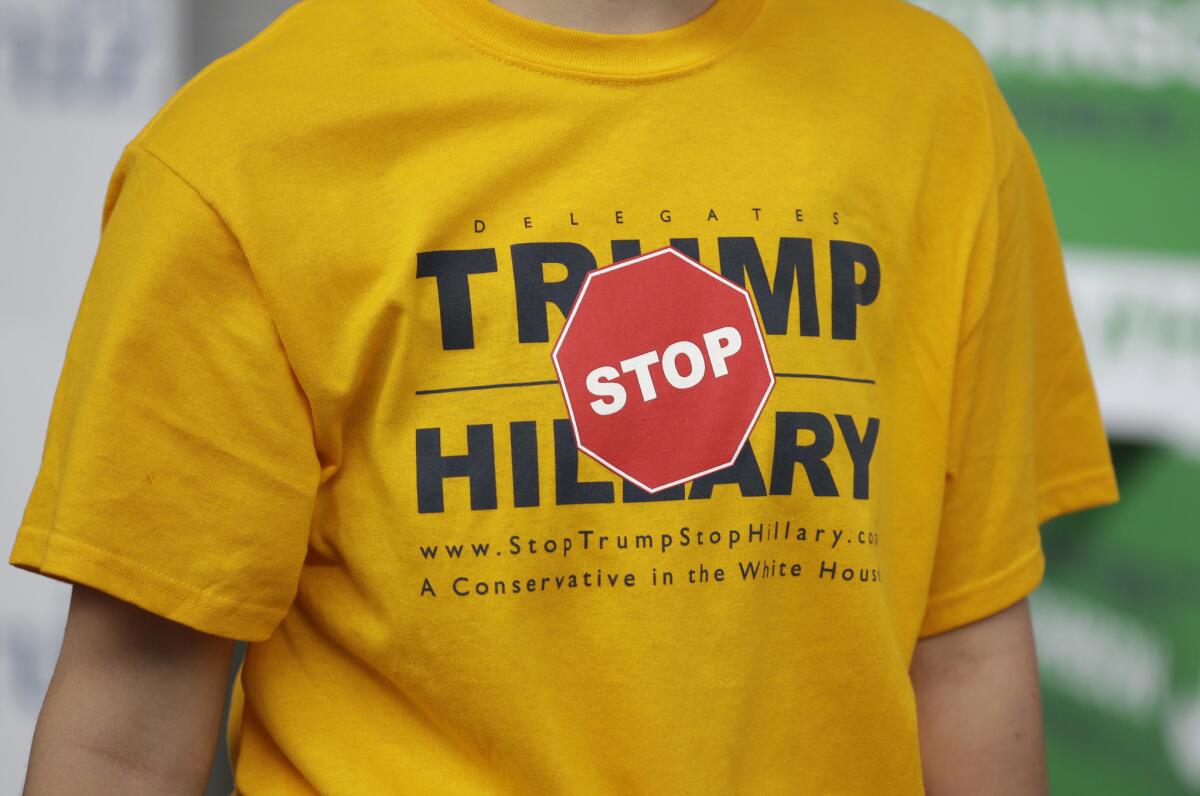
(909, 58)
(900, 29)
(297, 74)
(882, 41)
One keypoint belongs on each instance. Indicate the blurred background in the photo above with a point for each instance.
(1107, 91)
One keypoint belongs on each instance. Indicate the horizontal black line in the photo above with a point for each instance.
(487, 387)
(473, 387)
(823, 376)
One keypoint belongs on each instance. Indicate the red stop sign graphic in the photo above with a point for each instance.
(663, 368)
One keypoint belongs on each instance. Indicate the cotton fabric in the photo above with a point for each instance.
(270, 424)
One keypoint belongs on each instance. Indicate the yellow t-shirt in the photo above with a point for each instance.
(309, 399)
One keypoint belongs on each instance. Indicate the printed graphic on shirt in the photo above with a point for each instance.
(689, 341)
(663, 371)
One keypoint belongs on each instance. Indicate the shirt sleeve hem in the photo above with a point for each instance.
(1087, 490)
(985, 597)
(75, 561)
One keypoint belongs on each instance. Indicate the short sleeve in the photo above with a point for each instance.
(179, 469)
(1026, 441)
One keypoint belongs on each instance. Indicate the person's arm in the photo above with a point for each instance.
(134, 705)
(979, 708)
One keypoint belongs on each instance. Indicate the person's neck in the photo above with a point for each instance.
(609, 16)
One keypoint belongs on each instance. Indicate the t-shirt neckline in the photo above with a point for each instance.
(616, 57)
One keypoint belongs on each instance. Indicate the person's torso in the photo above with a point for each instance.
(486, 608)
